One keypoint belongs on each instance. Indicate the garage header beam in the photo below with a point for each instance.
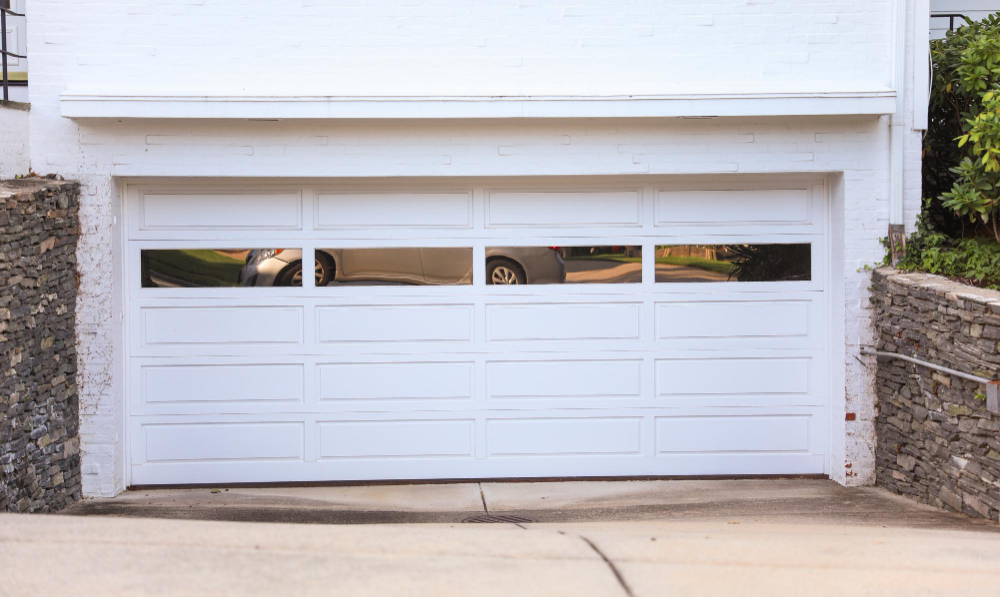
(84, 105)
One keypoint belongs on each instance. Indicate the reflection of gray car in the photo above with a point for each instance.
(423, 265)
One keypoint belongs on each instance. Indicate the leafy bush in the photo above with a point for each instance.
(958, 231)
(973, 260)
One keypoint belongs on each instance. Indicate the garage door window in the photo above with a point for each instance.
(215, 268)
(564, 265)
(734, 263)
(436, 266)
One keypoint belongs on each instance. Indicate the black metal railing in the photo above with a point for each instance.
(4, 11)
(951, 16)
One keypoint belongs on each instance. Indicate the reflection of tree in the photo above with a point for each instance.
(770, 263)
(191, 267)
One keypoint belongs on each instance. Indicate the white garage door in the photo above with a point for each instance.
(635, 327)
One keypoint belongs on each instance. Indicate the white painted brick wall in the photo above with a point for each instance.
(13, 142)
(444, 47)
(465, 47)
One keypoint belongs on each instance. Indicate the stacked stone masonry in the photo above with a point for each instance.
(937, 442)
(39, 418)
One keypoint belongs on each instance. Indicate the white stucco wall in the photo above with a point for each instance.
(547, 46)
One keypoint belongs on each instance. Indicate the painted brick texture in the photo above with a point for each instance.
(13, 140)
(452, 47)
(459, 47)
(937, 442)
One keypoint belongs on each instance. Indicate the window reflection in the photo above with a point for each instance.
(734, 263)
(564, 265)
(213, 268)
(394, 266)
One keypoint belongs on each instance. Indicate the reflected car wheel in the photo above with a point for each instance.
(323, 272)
(325, 269)
(504, 272)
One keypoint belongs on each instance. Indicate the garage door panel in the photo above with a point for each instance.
(395, 381)
(222, 325)
(561, 322)
(710, 375)
(564, 209)
(733, 207)
(397, 439)
(587, 379)
(222, 441)
(208, 211)
(386, 209)
(733, 433)
(554, 445)
(398, 323)
(564, 436)
(232, 384)
(706, 321)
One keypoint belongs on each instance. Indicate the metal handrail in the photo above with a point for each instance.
(992, 386)
(3, 46)
(951, 16)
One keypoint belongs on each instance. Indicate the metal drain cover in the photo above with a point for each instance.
(498, 518)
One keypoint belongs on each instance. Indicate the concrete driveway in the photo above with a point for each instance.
(792, 537)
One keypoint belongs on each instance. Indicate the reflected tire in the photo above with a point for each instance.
(323, 269)
(326, 270)
(503, 272)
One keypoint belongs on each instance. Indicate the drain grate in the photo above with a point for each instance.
(498, 518)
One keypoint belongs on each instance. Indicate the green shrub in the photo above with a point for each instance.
(974, 260)
(958, 230)
(962, 143)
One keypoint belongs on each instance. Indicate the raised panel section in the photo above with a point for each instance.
(395, 323)
(221, 325)
(220, 211)
(602, 209)
(223, 441)
(563, 379)
(722, 434)
(714, 376)
(396, 439)
(389, 210)
(732, 319)
(169, 384)
(564, 436)
(394, 381)
(787, 206)
(564, 321)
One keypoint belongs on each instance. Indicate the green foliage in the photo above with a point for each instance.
(958, 231)
(962, 148)
(973, 260)
(769, 262)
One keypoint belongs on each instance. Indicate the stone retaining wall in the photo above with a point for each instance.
(937, 443)
(39, 418)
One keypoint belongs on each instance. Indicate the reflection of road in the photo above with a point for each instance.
(161, 281)
(666, 272)
(602, 271)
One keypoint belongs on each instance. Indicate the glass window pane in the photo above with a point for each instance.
(428, 266)
(564, 265)
(734, 263)
(212, 268)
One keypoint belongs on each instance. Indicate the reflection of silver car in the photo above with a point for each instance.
(423, 265)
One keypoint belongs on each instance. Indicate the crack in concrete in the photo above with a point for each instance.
(614, 569)
(482, 496)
